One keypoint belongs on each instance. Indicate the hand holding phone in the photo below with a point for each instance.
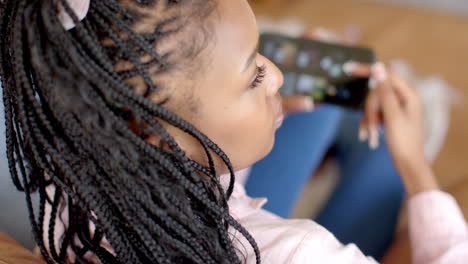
(315, 68)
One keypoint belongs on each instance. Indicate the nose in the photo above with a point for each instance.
(276, 78)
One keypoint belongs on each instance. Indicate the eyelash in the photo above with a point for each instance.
(261, 72)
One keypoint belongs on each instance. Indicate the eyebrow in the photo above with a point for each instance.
(251, 58)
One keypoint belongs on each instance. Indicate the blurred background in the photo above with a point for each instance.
(429, 36)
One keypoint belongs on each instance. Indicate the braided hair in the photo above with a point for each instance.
(67, 114)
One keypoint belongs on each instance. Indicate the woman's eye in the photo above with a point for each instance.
(260, 76)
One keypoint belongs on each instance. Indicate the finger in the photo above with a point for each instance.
(391, 106)
(372, 117)
(372, 109)
(298, 104)
(363, 130)
(406, 94)
(390, 103)
(356, 69)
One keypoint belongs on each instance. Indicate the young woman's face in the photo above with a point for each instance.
(235, 99)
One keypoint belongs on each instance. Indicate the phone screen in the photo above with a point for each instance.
(315, 69)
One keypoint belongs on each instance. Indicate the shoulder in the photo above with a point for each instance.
(287, 240)
(298, 241)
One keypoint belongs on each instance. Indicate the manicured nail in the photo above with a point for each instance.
(372, 83)
(349, 67)
(363, 136)
(374, 138)
(379, 72)
(309, 104)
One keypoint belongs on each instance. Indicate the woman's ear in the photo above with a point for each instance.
(80, 7)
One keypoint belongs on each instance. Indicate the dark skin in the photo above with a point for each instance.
(237, 101)
(234, 105)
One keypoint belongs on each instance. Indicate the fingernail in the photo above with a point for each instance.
(379, 72)
(363, 136)
(374, 139)
(309, 104)
(349, 67)
(372, 83)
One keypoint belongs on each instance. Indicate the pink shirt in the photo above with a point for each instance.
(438, 233)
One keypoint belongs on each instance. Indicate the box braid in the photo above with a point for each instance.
(67, 114)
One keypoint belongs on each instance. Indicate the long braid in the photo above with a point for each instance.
(66, 113)
(32, 136)
(204, 140)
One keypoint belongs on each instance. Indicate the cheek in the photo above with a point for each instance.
(244, 131)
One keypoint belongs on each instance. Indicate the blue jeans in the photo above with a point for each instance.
(365, 204)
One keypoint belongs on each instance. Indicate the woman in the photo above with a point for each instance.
(124, 123)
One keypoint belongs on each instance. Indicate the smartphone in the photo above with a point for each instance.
(315, 68)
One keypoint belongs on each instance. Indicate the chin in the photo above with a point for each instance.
(267, 149)
(259, 155)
